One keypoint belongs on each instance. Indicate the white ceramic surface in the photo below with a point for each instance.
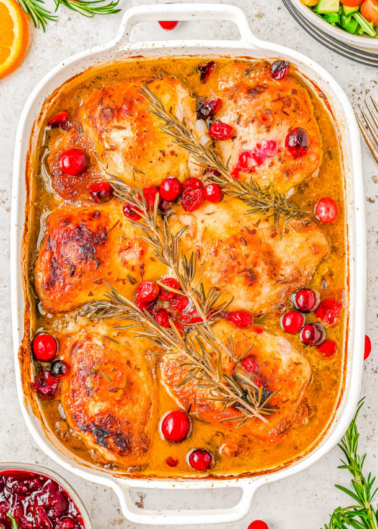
(349, 137)
(364, 43)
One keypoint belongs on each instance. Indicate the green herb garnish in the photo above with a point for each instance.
(361, 514)
(14, 523)
(88, 8)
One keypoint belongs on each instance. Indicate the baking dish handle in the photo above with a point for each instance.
(188, 517)
(188, 12)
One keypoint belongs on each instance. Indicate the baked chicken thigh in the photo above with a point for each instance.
(120, 136)
(263, 111)
(110, 395)
(278, 367)
(247, 257)
(84, 246)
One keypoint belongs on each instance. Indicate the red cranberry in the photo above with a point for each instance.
(162, 318)
(293, 321)
(66, 523)
(150, 196)
(312, 334)
(306, 300)
(44, 347)
(167, 294)
(59, 369)
(262, 151)
(59, 120)
(131, 212)
(206, 70)
(45, 385)
(221, 131)
(101, 192)
(327, 348)
(193, 182)
(180, 302)
(326, 210)
(213, 193)
(258, 524)
(192, 197)
(367, 347)
(147, 291)
(166, 206)
(54, 499)
(328, 311)
(73, 162)
(213, 172)
(200, 459)
(250, 365)
(297, 142)
(172, 462)
(279, 70)
(168, 25)
(191, 318)
(143, 305)
(208, 108)
(40, 518)
(170, 188)
(241, 319)
(175, 426)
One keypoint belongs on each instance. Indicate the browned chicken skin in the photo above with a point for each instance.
(264, 110)
(110, 395)
(248, 257)
(84, 246)
(280, 367)
(115, 129)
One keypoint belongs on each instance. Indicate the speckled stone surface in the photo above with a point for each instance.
(301, 502)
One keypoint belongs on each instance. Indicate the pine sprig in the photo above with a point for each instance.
(266, 201)
(362, 514)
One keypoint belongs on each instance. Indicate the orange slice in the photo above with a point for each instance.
(14, 36)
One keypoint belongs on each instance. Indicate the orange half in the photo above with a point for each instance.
(14, 36)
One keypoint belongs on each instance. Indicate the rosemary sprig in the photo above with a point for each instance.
(157, 234)
(204, 369)
(89, 8)
(266, 201)
(39, 15)
(14, 523)
(362, 514)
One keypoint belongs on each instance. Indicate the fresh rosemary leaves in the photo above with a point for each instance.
(362, 514)
(266, 201)
(88, 8)
(202, 348)
(205, 369)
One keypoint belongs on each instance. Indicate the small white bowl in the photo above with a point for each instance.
(368, 44)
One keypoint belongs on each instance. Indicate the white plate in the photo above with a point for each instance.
(247, 46)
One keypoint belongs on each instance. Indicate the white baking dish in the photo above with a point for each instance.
(250, 46)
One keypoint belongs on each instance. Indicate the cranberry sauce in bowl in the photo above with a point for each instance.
(31, 498)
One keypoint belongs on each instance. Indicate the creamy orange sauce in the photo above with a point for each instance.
(326, 384)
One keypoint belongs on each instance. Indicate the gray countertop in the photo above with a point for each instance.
(303, 501)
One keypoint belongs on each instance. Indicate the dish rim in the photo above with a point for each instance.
(251, 45)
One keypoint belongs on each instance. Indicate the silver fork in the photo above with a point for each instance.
(371, 146)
